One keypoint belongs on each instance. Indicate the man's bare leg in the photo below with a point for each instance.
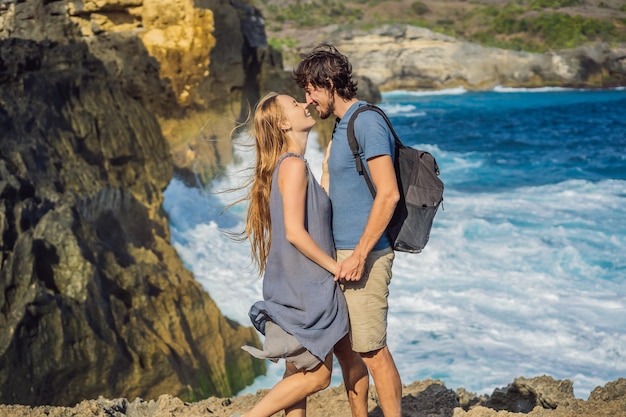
(355, 377)
(387, 381)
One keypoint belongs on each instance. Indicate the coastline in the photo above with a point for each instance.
(87, 258)
(535, 397)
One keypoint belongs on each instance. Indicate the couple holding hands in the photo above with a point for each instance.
(321, 246)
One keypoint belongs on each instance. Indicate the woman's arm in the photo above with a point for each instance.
(292, 183)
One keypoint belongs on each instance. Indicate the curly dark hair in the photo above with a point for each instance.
(326, 67)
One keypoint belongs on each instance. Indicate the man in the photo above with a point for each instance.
(359, 221)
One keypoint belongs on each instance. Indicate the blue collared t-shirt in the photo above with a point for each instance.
(350, 196)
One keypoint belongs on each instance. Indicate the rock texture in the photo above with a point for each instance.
(198, 65)
(93, 298)
(535, 397)
(408, 57)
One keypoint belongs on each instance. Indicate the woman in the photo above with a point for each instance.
(303, 313)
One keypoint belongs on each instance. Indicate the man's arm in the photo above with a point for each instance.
(383, 176)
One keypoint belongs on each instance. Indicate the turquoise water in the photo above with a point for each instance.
(525, 272)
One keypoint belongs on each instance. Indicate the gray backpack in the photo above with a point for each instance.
(421, 189)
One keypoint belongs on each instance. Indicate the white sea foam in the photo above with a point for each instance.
(501, 89)
(388, 95)
(407, 110)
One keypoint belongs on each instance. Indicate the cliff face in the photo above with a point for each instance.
(93, 298)
(409, 57)
(198, 65)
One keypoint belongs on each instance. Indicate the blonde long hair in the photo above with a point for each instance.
(270, 142)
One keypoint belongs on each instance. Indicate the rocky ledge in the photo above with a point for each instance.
(536, 397)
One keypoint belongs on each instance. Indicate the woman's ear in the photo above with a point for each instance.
(285, 126)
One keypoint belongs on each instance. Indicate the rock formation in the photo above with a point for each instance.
(406, 57)
(93, 298)
(198, 65)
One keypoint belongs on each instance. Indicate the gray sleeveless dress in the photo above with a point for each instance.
(299, 296)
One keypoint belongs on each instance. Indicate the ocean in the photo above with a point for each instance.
(525, 270)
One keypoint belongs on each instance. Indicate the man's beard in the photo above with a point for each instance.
(330, 109)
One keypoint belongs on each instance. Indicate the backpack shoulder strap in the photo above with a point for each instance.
(354, 145)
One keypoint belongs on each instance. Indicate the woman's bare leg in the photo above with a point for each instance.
(293, 389)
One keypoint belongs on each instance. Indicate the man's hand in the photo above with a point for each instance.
(350, 269)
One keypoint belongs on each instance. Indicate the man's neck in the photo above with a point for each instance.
(342, 106)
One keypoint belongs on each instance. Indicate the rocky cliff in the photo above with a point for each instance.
(199, 65)
(413, 58)
(94, 96)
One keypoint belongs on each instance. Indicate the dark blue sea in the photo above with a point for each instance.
(525, 271)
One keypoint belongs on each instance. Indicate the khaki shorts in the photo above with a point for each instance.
(367, 301)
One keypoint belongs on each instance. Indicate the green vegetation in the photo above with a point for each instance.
(282, 43)
(531, 25)
(546, 30)
(314, 14)
(554, 4)
(419, 8)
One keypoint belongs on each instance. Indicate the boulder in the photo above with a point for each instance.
(523, 395)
